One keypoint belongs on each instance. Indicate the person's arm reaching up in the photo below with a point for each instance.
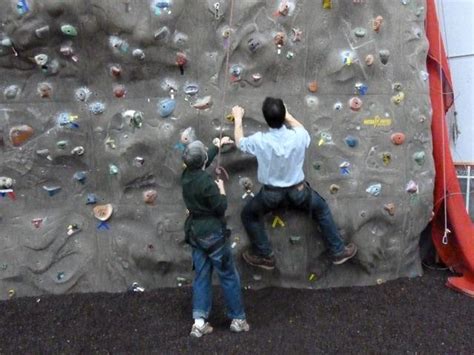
(291, 121)
(238, 113)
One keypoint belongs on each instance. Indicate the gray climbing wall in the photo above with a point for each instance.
(96, 95)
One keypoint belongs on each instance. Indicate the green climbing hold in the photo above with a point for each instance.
(69, 30)
(419, 158)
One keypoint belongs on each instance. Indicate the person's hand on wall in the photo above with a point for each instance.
(220, 186)
(220, 142)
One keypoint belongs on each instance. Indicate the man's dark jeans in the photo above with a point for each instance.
(301, 197)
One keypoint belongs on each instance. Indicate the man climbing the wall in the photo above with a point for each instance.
(205, 230)
(280, 154)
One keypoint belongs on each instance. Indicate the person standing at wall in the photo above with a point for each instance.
(206, 232)
(280, 154)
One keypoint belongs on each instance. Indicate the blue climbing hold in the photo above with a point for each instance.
(166, 107)
(91, 199)
(80, 176)
(351, 141)
(375, 189)
(52, 190)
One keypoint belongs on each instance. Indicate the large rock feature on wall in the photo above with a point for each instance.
(95, 98)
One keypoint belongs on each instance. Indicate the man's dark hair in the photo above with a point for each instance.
(274, 112)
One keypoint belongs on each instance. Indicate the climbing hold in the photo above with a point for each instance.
(82, 94)
(22, 7)
(397, 86)
(138, 54)
(66, 119)
(135, 287)
(290, 55)
(284, 8)
(67, 50)
(235, 72)
(369, 60)
(397, 138)
(69, 30)
(138, 162)
(162, 33)
(72, 229)
(103, 212)
(295, 239)
(386, 158)
(390, 208)
(188, 136)
(398, 98)
(120, 91)
(41, 59)
(20, 134)
(296, 34)
(347, 57)
(52, 190)
(97, 108)
(44, 90)
(361, 89)
(6, 183)
(254, 44)
(279, 41)
(377, 23)
(181, 61)
(113, 169)
(327, 4)
(42, 32)
(355, 104)
(334, 188)
(360, 32)
(412, 187)
(11, 293)
(384, 55)
(166, 107)
(374, 189)
(324, 138)
(191, 89)
(277, 221)
(118, 44)
(419, 158)
(134, 118)
(313, 86)
(424, 75)
(80, 176)
(204, 103)
(91, 199)
(37, 222)
(61, 144)
(338, 106)
(78, 151)
(344, 168)
(115, 70)
(11, 92)
(247, 185)
(149, 197)
(351, 141)
(158, 6)
(256, 77)
(378, 121)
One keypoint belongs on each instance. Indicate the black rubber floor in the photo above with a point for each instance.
(403, 316)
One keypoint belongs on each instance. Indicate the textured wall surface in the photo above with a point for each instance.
(95, 96)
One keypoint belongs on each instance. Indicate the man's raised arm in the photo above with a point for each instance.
(238, 113)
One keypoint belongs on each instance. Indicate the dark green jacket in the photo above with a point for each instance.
(203, 200)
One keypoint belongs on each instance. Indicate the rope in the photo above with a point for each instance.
(219, 168)
(443, 143)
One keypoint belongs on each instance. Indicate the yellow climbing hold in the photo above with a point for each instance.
(378, 121)
(327, 4)
(312, 277)
(278, 221)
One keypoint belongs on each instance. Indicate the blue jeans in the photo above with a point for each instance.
(222, 261)
(301, 197)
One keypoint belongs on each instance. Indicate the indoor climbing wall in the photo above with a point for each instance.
(99, 98)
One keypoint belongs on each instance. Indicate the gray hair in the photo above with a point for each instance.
(195, 155)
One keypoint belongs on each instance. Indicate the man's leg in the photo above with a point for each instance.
(305, 198)
(252, 219)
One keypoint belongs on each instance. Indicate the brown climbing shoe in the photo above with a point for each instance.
(264, 262)
(350, 250)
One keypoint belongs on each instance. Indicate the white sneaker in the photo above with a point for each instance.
(197, 332)
(239, 325)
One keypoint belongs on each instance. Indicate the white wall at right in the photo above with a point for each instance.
(457, 26)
